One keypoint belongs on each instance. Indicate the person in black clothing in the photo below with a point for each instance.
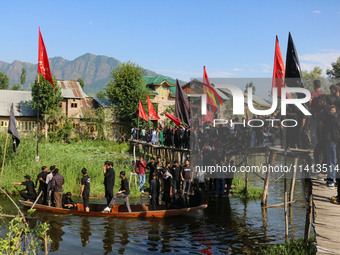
(124, 193)
(109, 180)
(151, 166)
(176, 177)
(154, 191)
(30, 195)
(85, 189)
(167, 193)
(196, 198)
(180, 202)
(42, 185)
(67, 201)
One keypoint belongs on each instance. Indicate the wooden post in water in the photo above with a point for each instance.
(291, 196)
(245, 175)
(309, 209)
(286, 218)
(266, 182)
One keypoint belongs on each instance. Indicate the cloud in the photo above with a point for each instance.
(90, 23)
(266, 68)
(316, 11)
(322, 59)
(237, 69)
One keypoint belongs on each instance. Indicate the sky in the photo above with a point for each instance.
(175, 38)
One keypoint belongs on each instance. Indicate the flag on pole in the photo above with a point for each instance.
(293, 69)
(207, 82)
(152, 112)
(208, 117)
(43, 64)
(142, 113)
(181, 105)
(173, 119)
(12, 129)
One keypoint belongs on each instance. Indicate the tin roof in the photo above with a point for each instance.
(71, 89)
(21, 101)
(159, 80)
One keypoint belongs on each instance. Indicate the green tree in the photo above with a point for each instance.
(23, 77)
(4, 81)
(310, 77)
(250, 85)
(334, 73)
(81, 82)
(49, 98)
(15, 86)
(101, 94)
(124, 90)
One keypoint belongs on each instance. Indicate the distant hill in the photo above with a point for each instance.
(95, 70)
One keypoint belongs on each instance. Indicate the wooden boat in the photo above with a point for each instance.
(138, 211)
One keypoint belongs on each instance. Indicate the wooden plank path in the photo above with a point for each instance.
(326, 219)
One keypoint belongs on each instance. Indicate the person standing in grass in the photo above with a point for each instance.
(140, 170)
(30, 195)
(57, 186)
(109, 180)
(85, 189)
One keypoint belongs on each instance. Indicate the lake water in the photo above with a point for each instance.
(227, 226)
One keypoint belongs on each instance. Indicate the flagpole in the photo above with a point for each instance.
(3, 161)
(37, 126)
(138, 129)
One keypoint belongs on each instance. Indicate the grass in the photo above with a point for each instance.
(69, 159)
(239, 190)
(293, 247)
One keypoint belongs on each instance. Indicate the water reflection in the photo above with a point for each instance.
(56, 232)
(85, 231)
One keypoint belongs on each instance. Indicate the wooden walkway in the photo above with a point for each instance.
(326, 219)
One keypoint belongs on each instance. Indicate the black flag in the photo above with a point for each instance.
(12, 129)
(293, 69)
(181, 105)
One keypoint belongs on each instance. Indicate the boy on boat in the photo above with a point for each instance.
(85, 189)
(123, 193)
(67, 201)
(30, 195)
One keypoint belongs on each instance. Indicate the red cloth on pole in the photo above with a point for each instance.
(206, 81)
(208, 117)
(152, 112)
(279, 71)
(173, 119)
(142, 112)
(43, 64)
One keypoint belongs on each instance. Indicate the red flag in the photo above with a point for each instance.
(206, 81)
(152, 112)
(208, 117)
(142, 113)
(247, 115)
(43, 64)
(173, 118)
(279, 71)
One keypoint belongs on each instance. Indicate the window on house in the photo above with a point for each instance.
(74, 105)
(75, 125)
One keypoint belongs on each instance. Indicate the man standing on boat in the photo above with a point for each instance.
(49, 178)
(123, 193)
(42, 185)
(85, 189)
(30, 195)
(109, 180)
(57, 186)
(140, 170)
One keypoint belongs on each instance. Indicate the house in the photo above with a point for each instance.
(163, 94)
(26, 117)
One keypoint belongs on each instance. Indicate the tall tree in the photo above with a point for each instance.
(334, 73)
(4, 81)
(23, 77)
(126, 87)
(310, 77)
(101, 94)
(49, 98)
(81, 82)
(250, 85)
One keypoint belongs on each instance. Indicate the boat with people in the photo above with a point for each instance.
(138, 211)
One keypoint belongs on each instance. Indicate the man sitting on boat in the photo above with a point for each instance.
(67, 201)
(30, 195)
(123, 193)
(196, 198)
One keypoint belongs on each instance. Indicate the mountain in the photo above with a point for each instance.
(95, 70)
